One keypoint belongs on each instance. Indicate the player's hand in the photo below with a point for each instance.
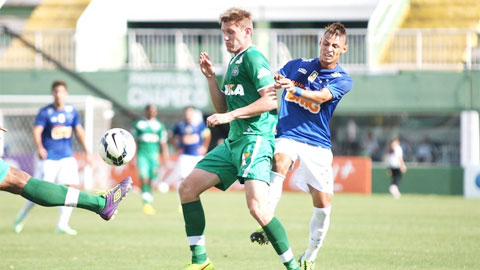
(219, 119)
(202, 150)
(42, 153)
(287, 84)
(3, 129)
(277, 76)
(206, 65)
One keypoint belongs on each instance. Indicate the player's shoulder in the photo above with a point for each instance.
(69, 108)
(252, 53)
(47, 109)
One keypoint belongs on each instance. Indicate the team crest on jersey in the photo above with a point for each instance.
(307, 105)
(232, 90)
(235, 71)
(312, 76)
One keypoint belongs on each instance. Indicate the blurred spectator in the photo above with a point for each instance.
(425, 151)
(370, 147)
(396, 166)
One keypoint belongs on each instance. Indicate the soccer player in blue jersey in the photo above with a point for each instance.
(191, 137)
(313, 89)
(50, 194)
(52, 133)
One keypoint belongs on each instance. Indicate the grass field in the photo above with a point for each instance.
(367, 232)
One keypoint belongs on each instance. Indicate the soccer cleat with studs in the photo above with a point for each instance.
(113, 197)
(305, 264)
(260, 237)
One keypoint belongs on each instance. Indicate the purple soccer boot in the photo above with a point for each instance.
(113, 198)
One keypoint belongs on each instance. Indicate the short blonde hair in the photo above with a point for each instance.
(336, 29)
(238, 16)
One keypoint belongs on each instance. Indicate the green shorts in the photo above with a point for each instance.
(148, 165)
(247, 158)
(4, 168)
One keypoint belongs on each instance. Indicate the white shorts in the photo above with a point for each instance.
(63, 171)
(315, 168)
(186, 163)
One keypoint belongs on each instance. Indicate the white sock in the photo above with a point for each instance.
(275, 190)
(24, 211)
(65, 213)
(318, 230)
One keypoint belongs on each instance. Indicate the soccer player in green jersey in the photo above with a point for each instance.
(50, 194)
(247, 101)
(150, 134)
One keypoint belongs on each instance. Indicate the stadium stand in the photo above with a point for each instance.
(436, 33)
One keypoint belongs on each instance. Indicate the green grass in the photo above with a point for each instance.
(367, 232)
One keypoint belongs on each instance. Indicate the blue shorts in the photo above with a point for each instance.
(4, 168)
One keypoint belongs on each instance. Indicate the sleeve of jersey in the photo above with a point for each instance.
(340, 87)
(259, 70)
(41, 119)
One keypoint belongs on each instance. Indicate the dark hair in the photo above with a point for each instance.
(58, 83)
(148, 106)
(336, 29)
(238, 16)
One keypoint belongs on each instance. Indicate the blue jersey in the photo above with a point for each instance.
(305, 121)
(57, 131)
(190, 137)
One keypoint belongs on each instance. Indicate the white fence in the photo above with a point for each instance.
(405, 49)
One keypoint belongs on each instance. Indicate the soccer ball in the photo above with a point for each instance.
(117, 146)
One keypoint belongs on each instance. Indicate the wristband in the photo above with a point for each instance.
(298, 91)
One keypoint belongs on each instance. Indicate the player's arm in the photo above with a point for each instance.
(217, 97)
(80, 133)
(3, 129)
(165, 151)
(318, 97)
(266, 102)
(37, 140)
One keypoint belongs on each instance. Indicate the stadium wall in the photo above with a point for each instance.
(421, 180)
(171, 90)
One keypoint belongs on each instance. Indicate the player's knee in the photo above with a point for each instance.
(187, 191)
(281, 164)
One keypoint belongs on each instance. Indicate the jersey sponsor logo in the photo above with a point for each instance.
(302, 70)
(307, 105)
(307, 59)
(149, 138)
(61, 132)
(312, 76)
(263, 72)
(231, 90)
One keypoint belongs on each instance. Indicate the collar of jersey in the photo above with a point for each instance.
(240, 53)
